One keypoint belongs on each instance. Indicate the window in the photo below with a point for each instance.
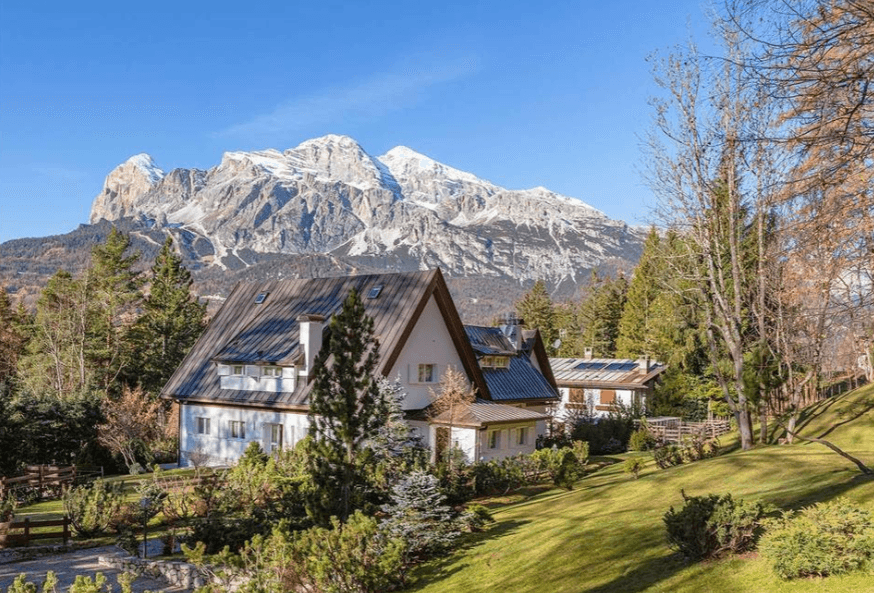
(236, 429)
(502, 362)
(203, 426)
(427, 373)
(260, 298)
(495, 439)
(271, 371)
(608, 396)
(487, 362)
(521, 436)
(577, 395)
(374, 292)
(274, 436)
(237, 369)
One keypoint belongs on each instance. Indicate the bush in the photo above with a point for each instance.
(667, 456)
(633, 466)
(92, 509)
(561, 465)
(642, 440)
(605, 435)
(825, 539)
(476, 517)
(692, 448)
(708, 526)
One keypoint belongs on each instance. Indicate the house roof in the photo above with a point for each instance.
(521, 381)
(246, 332)
(483, 412)
(605, 373)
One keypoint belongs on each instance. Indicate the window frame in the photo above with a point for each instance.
(234, 368)
(521, 436)
(273, 371)
(494, 440)
(432, 375)
(203, 426)
(237, 430)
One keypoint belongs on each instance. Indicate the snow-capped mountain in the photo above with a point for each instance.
(401, 210)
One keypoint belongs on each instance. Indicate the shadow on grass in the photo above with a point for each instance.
(856, 409)
(438, 569)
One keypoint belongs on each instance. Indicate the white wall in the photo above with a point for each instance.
(218, 448)
(509, 446)
(593, 399)
(429, 343)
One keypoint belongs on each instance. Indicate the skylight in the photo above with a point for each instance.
(374, 292)
(260, 298)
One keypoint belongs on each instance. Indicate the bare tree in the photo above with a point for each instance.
(131, 421)
(452, 401)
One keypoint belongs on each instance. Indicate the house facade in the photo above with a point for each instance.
(248, 377)
(596, 387)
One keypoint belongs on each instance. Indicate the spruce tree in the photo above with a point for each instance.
(345, 411)
(636, 327)
(12, 338)
(537, 311)
(171, 322)
(600, 313)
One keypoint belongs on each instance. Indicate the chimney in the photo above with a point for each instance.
(512, 328)
(310, 339)
(587, 354)
(643, 364)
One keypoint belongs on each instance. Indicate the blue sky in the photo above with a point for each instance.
(518, 93)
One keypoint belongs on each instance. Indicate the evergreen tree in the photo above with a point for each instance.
(537, 312)
(345, 411)
(600, 313)
(171, 321)
(418, 515)
(113, 288)
(636, 327)
(13, 338)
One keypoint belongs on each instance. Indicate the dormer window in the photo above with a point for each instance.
(262, 296)
(374, 292)
(271, 371)
(487, 362)
(494, 362)
(237, 369)
(502, 362)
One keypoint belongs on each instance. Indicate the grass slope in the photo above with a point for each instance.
(607, 535)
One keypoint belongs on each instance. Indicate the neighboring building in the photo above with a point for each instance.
(598, 386)
(248, 377)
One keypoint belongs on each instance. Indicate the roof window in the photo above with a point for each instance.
(374, 292)
(260, 298)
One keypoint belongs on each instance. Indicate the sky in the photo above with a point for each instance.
(522, 94)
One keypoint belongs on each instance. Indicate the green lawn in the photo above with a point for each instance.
(607, 535)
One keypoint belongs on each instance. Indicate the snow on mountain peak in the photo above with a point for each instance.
(146, 164)
(405, 162)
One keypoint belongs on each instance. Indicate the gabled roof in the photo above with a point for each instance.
(246, 332)
(483, 412)
(606, 373)
(489, 341)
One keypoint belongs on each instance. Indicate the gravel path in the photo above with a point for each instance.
(67, 566)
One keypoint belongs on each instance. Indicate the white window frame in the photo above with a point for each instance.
(432, 373)
(238, 370)
(203, 426)
(237, 430)
(272, 371)
(487, 362)
(502, 362)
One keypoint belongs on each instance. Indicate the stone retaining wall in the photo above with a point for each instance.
(177, 574)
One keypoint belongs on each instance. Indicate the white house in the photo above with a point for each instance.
(595, 387)
(249, 376)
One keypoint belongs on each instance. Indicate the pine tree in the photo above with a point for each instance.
(171, 322)
(537, 312)
(12, 338)
(418, 515)
(600, 313)
(636, 327)
(114, 291)
(345, 411)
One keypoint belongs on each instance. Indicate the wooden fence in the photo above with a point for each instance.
(44, 477)
(27, 526)
(673, 431)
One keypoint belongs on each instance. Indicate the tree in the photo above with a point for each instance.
(113, 288)
(450, 403)
(537, 312)
(171, 321)
(637, 334)
(131, 423)
(12, 338)
(346, 410)
(600, 314)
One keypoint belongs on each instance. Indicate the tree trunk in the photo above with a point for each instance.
(862, 467)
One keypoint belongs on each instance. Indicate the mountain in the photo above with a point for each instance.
(328, 207)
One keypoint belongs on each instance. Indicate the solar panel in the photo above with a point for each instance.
(590, 366)
(621, 366)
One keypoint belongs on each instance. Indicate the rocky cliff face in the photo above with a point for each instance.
(402, 210)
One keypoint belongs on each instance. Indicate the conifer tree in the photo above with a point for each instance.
(600, 314)
(537, 312)
(636, 327)
(345, 411)
(12, 338)
(171, 322)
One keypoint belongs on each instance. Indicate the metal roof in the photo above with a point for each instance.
(484, 412)
(489, 340)
(243, 331)
(604, 372)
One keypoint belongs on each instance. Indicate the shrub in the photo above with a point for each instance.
(667, 456)
(642, 440)
(604, 435)
(561, 465)
(93, 508)
(708, 526)
(825, 539)
(476, 517)
(633, 466)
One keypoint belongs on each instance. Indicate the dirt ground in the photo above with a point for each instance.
(67, 566)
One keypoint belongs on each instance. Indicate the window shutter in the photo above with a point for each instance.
(224, 370)
(288, 372)
(411, 378)
(253, 371)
